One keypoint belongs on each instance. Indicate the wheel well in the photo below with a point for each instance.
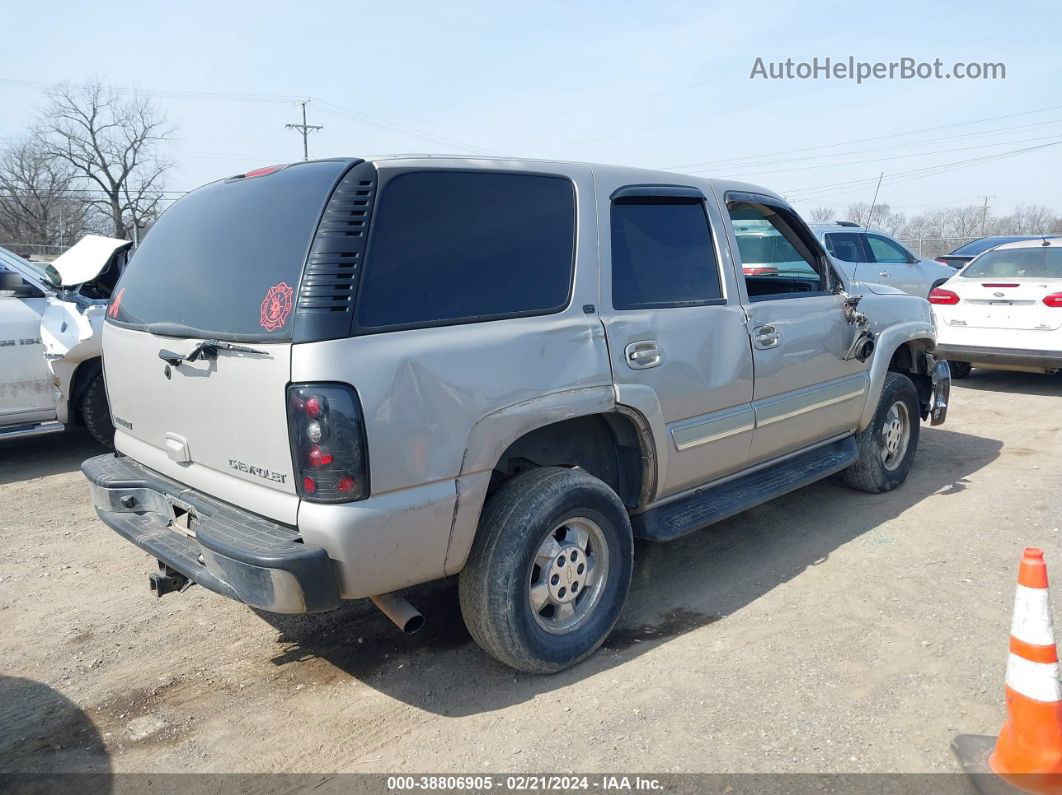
(83, 376)
(606, 446)
(909, 361)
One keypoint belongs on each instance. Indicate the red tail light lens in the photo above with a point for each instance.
(943, 261)
(938, 295)
(1055, 300)
(328, 442)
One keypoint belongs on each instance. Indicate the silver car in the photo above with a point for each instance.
(337, 379)
(866, 255)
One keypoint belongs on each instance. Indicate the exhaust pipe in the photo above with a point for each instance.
(406, 617)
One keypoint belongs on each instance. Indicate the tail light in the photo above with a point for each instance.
(1055, 300)
(943, 261)
(938, 295)
(328, 442)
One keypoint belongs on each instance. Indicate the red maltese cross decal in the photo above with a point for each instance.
(276, 306)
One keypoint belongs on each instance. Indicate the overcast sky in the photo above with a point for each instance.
(654, 84)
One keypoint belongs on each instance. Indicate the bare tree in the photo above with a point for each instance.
(112, 144)
(820, 214)
(37, 208)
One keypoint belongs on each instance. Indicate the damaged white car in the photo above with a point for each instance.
(51, 315)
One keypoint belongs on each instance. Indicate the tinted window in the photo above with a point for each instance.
(662, 254)
(886, 250)
(788, 266)
(449, 246)
(985, 243)
(847, 246)
(1042, 262)
(225, 260)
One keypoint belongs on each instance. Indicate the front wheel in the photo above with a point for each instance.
(549, 570)
(887, 445)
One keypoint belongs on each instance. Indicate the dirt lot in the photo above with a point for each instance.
(827, 631)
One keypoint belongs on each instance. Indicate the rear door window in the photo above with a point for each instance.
(847, 246)
(464, 246)
(662, 254)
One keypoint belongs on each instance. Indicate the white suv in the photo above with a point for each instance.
(51, 315)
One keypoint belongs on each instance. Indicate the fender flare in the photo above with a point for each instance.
(887, 343)
(494, 433)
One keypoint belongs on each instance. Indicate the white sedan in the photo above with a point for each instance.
(1003, 311)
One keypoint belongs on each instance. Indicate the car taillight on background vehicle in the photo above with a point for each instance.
(1055, 299)
(938, 295)
(328, 442)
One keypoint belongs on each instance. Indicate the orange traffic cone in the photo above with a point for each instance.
(1028, 753)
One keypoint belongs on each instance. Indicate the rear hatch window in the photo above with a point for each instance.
(225, 261)
(1042, 262)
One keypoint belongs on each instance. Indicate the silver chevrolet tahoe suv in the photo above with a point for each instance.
(341, 378)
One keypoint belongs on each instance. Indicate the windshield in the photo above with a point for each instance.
(226, 260)
(1042, 262)
(41, 270)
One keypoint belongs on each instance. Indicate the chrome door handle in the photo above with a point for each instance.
(643, 355)
(765, 337)
(884, 274)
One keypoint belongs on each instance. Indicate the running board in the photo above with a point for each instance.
(29, 429)
(714, 503)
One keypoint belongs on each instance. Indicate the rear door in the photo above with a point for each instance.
(223, 264)
(850, 250)
(675, 326)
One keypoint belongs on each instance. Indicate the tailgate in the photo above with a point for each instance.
(223, 265)
(218, 425)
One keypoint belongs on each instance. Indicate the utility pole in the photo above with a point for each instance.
(870, 215)
(304, 129)
(984, 215)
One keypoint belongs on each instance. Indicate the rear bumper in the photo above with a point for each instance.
(226, 550)
(1015, 357)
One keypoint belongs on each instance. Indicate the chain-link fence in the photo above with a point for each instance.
(37, 251)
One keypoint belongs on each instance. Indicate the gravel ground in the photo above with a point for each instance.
(828, 631)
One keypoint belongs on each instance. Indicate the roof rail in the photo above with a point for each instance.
(847, 223)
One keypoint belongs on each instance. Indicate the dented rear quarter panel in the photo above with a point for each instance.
(441, 404)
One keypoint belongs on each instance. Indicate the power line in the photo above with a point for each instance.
(815, 193)
(880, 148)
(212, 96)
(907, 156)
(865, 140)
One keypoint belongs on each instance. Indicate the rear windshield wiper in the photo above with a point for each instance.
(207, 349)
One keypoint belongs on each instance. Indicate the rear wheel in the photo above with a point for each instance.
(549, 570)
(959, 369)
(96, 413)
(887, 446)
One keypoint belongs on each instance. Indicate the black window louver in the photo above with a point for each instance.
(325, 307)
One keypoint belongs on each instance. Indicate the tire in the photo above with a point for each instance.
(882, 467)
(496, 586)
(96, 413)
(959, 369)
